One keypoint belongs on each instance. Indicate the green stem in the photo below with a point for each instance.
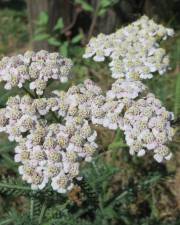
(28, 92)
(101, 207)
(95, 168)
(43, 209)
(114, 199)
(36, 96)
(31, 208)
(63, 206)
(177, 97)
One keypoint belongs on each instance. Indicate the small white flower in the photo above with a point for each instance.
(169, 156)
(158, 158)
(98, 58)
(92, 137)
(141, 153)
(32, 85)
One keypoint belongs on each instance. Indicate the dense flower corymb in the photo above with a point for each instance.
(53, 133)
(147, 127)
(76, 103)
(54, 153)
(135, 55)
(37, 68)
(109, 110)
(134, 50)
(51, 153)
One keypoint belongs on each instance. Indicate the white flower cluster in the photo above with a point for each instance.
(127, 89)
(134, 50)
(108, 111)
(135, 55)
(51, 152)
(18, 117)
(147, 127)
(37, 68)
(86, 101)
(76, 103)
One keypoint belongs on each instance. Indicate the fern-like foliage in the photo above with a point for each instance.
(15, 218)
(99, 204)
(13, 187)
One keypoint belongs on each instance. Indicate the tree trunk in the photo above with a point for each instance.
(54, 8)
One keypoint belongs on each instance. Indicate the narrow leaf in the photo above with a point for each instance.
(64, 49)
(59, 25)
(77, 39)
(87, 7)
(53, 41)
(41, 37)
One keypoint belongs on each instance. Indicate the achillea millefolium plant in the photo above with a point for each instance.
(55, 132)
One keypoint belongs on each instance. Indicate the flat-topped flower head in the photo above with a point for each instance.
(36, 68)
(76, 103)
(134, 50)
(19, 116)
(46, 150)
(55, 152)
(147, 128)
(55, 135)
(109, 111)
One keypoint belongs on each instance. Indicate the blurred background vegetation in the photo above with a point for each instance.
(125, 190)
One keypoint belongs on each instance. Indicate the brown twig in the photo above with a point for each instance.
(94, 20)
(72, 23)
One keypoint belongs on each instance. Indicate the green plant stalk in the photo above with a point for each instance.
(95, 168)
(177, 97)
(43, 209)
(28, 92)
(114, 199)
(31, 208)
